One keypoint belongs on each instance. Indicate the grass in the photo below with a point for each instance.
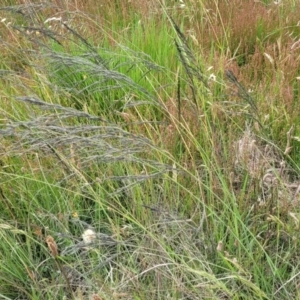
(149, 150)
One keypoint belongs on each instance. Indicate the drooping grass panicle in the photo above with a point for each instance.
(86, 145)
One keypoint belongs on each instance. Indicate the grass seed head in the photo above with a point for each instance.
(52, 245)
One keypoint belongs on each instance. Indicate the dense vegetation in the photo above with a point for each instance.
(149, 149)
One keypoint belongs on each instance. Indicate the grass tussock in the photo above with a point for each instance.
(149, 150)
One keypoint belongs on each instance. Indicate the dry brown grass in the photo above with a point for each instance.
(261, 39)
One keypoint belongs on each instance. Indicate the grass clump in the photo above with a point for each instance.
(135, 164)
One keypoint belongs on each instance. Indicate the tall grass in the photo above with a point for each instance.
(147, 152)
